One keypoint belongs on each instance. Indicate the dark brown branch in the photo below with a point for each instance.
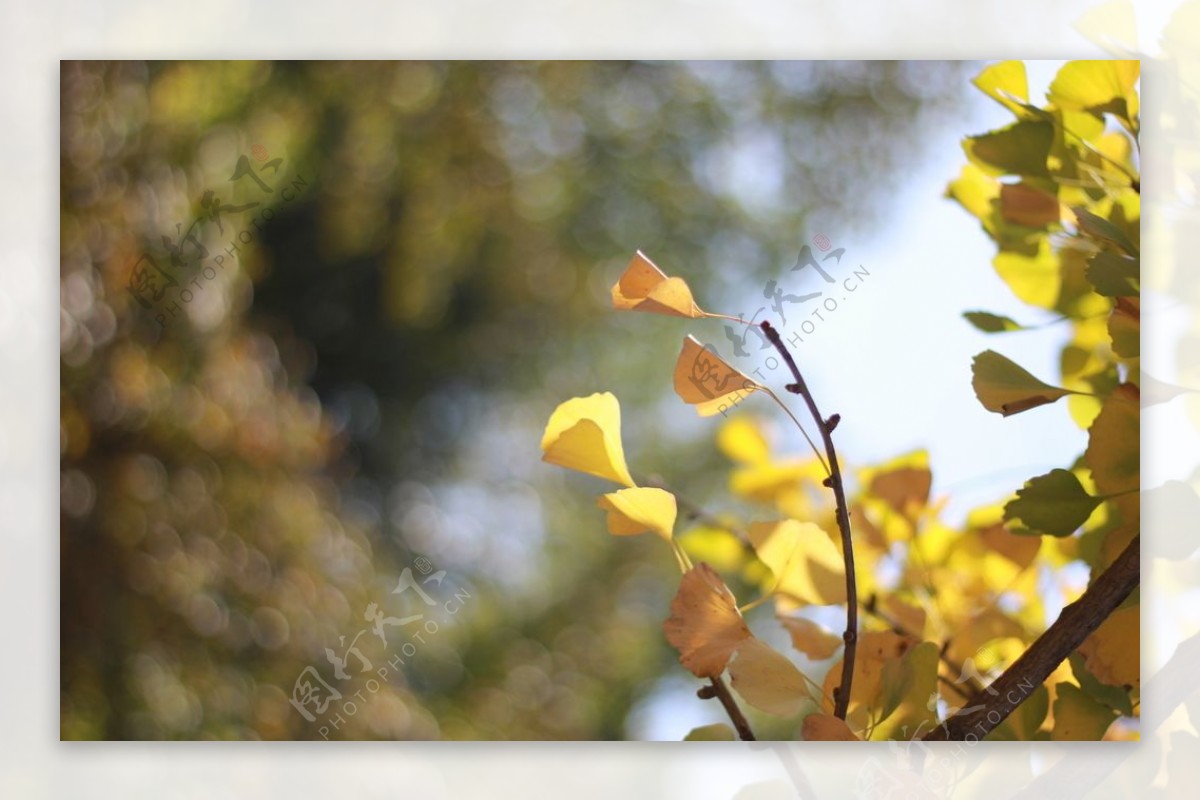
(719, 691)
(989, 708)
(841, 695)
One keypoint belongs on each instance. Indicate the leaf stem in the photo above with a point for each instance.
(807, 438)
(841, 695)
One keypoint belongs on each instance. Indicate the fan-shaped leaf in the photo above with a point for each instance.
(1005, 387)
(704, 380)
(768, 680)
(705, 625)
(584, 434)
(806, 564)
(1054, 503)
(640, 509)
(644, 287)
(990, 323)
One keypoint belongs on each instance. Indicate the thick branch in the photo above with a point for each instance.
(841, 695)
(1079, 619)
(719, 691)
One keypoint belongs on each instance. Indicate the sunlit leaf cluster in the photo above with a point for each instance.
(945, 606)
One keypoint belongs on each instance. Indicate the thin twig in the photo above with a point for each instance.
(841, 695)
(719, 691)
(989, 708)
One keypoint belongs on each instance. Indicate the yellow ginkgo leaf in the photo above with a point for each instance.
(767, 679)
(806, 564)
(766, 481)
(1077, 716)
(1097, 86)
(876, 649)
(584, 434)
(640, 509)
(811, 639)
(644, 287)
(704, 380)
(705, 625)
(908, 617)
(742, 439)
(1110, 652)
(819, 726)
(975, 191)
(1006, 83)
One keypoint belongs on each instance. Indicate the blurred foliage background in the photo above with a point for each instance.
(365, 380)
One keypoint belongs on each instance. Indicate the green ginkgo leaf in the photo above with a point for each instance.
(1004, 387)
(1055, 504)
(1019, 149)
(1100, 228)
(1077, 716)
(990, 323)
(1113, 275)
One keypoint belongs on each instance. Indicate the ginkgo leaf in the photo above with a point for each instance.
(767, 481)
(1005, 82)
(819, 726)
(909, 617)
(644, 287)
(1114, 275)
(1111, 653)
(1005, 387)
(1115, 698)
(1023, 204)
(1054, 503)
(742, 440)
(640, 509)
(813, 640)
(990, 323)
(807, 566)
(875, 650)
(903, 483)
(717, 546)
(1035, 278)
(975, 190)
(705, 625)
(1097, 86)
(1024, 721)
(711, 732)
(1114, 450)
(1098, 227)
(584, 434)
(1125, 327)
(1077, 716)
(1020, 550)
(704, 380)
(907, 685)
(1020, 149)
(767, 679)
